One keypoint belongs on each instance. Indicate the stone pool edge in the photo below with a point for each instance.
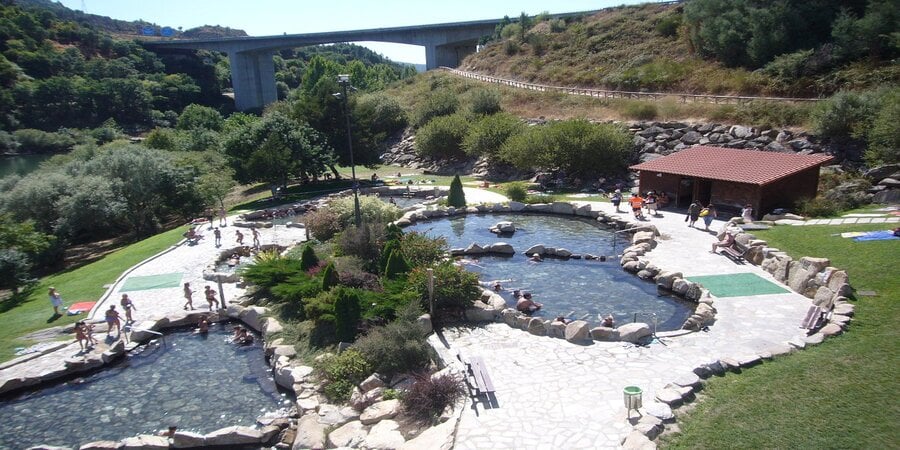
(492, 308)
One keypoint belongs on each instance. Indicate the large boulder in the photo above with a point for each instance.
(557, 330)
(234, 436)
(480, 312)
(516, 206)
(665, 280)
(310, 433)
(145, 442)
(502, 248)
(350, 434)
(804, 271)
(536, 327)
(387, 409)
(577, 331)
(504, 227)
(562, 208)
(252, 316)
(474, 249)
(536, 249)
(604, 334)
(634, 332)
(384, 436)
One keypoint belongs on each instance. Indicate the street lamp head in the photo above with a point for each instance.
(338, 95)
(343, 78)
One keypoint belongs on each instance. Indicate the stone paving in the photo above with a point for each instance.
(190, 260)
(848, 221)
(554, 394)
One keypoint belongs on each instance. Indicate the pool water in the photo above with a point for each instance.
(197, 383)
(576, 289)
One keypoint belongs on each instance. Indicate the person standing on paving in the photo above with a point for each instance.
(218, 234)
(188, 297)
(128, 306)
(693, 213)
(255, 237)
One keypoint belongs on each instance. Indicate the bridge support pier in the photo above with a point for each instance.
(449, 55)
(253, 79)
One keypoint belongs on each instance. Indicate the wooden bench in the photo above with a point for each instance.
(478, 371)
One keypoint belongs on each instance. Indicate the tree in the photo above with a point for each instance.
(275, 148)
(20, 243)
(214, 186)
(456, 197)
(198, 117)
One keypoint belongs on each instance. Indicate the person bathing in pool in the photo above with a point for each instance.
(526, 305)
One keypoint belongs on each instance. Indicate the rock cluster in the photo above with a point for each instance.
(885, 183)
(655, 139)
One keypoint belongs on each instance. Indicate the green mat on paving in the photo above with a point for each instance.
(165, 280)
(737, 285)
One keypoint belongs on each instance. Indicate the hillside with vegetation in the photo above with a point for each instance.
(795, 49)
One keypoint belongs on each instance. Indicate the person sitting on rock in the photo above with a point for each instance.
(526, 305)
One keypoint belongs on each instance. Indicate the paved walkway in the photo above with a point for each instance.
(190, 261)
(553, 394)
(847, 221)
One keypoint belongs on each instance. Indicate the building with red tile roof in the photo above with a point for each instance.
(732, 178)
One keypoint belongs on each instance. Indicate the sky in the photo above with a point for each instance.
(272, 17)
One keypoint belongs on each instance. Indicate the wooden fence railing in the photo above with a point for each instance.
(606, 93)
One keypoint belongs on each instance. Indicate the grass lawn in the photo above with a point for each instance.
(840, 394)
(32, 312)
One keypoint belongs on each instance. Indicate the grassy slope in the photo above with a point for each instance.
(619, 48)
(840, 394)
(82, 284)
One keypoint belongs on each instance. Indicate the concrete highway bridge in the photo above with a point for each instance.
(253, 71)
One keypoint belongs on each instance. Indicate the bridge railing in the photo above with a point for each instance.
(607, 93)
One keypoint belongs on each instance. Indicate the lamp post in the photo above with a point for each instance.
(344, 81)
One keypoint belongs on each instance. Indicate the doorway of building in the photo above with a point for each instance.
(704, 191)
(685, 193)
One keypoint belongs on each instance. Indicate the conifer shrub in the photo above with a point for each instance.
(330, 277)
(308, 258)
(396, 265)
(347, 313)
(456, 197)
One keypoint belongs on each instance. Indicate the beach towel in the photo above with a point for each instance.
(886, 235)
(81, 307)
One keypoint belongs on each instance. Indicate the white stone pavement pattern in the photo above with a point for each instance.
(190, 260)
(554, 394)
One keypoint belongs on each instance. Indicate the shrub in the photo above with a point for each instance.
(371, 209)
(668, 26)
(293, 294)
(485, 102)
(511, 31)
(430, 395)
(578, 147)
(819, 207)
(844, 115)
(442, 137)
(456, 197)
(267, 274)
(397, 347)
(510, 48)
(538, 43)
(346, 314)
(308, 258)
(884, 134)
(342, 372)
(323, 224)
(516, 191)
(396, 265)
(162, 139)
(557, 25)
(330, 277)
(439, 103)
(640, 110)
(539, 198)
(454, 287)
(486, 136)
(362, 242)
(392, 232)
(389, 247)
(37, 141)
(422, 250)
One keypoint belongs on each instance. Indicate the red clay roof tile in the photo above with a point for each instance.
(728, 164)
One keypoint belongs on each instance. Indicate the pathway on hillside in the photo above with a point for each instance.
(553, 394)
(606, 93)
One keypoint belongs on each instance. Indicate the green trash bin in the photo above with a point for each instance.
(632, 398)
